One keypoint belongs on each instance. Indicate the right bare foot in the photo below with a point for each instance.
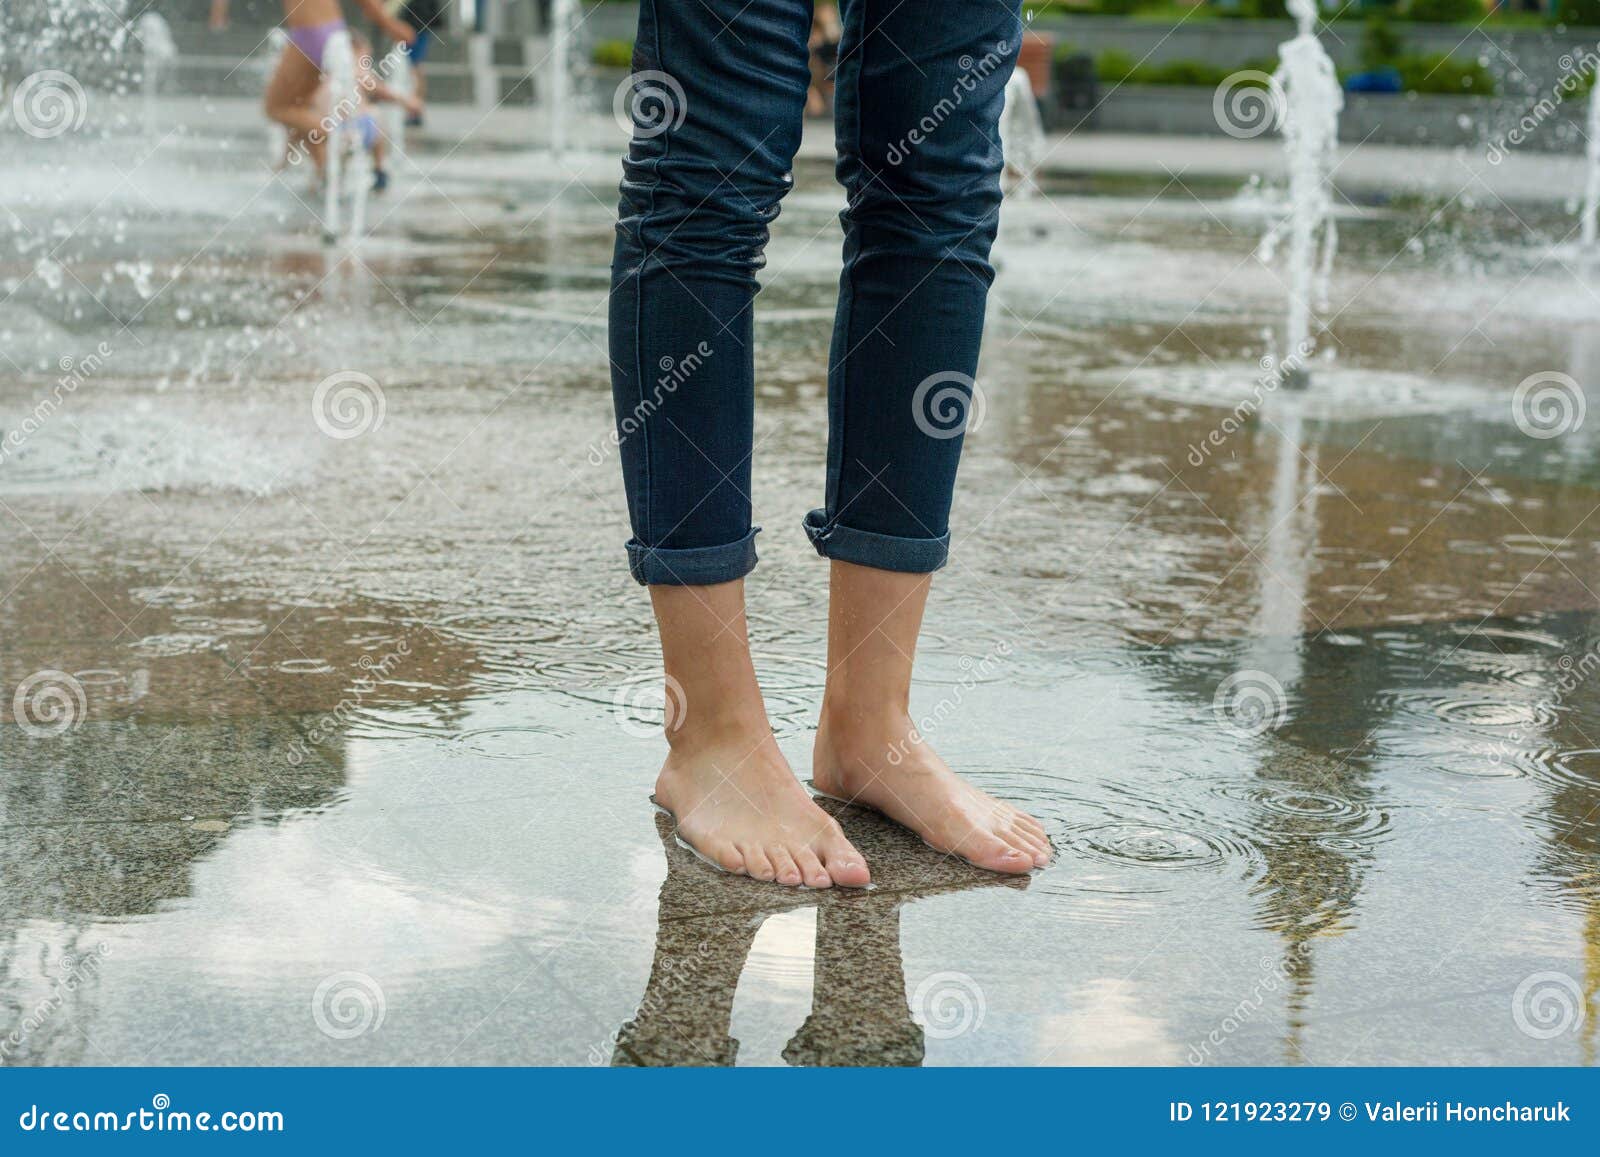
(737, 803)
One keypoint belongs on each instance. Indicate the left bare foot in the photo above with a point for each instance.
(886, 766)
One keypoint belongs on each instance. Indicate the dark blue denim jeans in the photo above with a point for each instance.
(717, 100)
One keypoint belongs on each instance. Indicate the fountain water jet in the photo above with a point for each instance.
(1591, 192)
(1022, 137)
(160, 51)
(565, 18)
(1310, 101)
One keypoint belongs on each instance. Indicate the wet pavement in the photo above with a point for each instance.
(330, 711)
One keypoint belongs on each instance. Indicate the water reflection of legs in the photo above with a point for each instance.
(708, 921)
(859, 1014)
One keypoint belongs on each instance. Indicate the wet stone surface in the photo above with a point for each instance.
(329, 720)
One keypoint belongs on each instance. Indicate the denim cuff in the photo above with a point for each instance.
(884, 551)
(694, 566)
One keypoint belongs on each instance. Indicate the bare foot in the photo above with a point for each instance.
(882, 765)
(737, 803)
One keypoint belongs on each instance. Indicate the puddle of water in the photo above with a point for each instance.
(1307, 701)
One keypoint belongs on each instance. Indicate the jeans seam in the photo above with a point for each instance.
(638, 287)
(846, 322)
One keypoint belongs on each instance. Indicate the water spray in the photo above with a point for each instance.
(1310, 100)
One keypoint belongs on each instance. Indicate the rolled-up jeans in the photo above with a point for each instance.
(716, 101)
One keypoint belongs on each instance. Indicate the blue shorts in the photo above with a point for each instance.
(417, 50)
(367, 125)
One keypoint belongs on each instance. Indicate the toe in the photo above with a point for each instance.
(788, 872)
(844, 865)
(1030, 842)
(811, 869)
(724, 856)
(990, 851)
(1028, 824)
(756, 862)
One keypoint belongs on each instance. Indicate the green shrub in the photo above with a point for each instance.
(1578, 11)
(1445, 11)
(614, 54)
(1436, 72)
(1114, 65)
(1380, 43)
(1257, 10)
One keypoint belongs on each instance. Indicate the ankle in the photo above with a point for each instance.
(848, 717)
(724, 727)
(853, 743)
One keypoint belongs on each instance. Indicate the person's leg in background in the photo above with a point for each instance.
(919, 92)
(417, 52)
(291, 100)
(718, 98)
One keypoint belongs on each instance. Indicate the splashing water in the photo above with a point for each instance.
(160, 52)
(566, 17)
(1591, 192)
(1310, 101)
(1021, 135)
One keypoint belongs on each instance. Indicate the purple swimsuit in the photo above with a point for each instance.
(312, 39)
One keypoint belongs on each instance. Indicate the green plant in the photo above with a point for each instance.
(1257, 10)
(1445, 11)
(1438, 72)
(1380, 43)
(1578, 11)
(1114, 65)
(614, 54)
